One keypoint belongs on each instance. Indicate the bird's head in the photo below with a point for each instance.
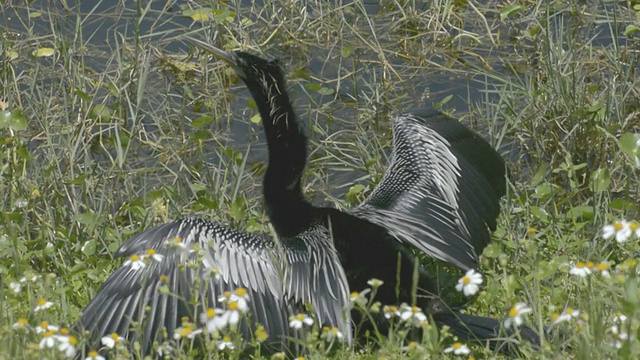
(259, 74)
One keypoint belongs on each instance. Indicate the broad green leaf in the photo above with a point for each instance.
(510, 10)
(600, 180)
(630, 145)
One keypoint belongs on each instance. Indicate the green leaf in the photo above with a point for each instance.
(256, 119)
(630, 145)
(540, 174)
(600, 180)
(542, 191)
(325, 91)
(510, 10)
(14, 119)
(631, 29)
(199, 15)
(346, 51)
(238, 209)
(43, 52)
(201, 121)
(492, 251)
(313, 87)
(100, 113)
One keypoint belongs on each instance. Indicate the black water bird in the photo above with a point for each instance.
(440, 195)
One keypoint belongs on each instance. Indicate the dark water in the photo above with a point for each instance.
(101, 29)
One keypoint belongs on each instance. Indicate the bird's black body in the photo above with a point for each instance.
(440, 195)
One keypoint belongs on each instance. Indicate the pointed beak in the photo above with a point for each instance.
(229, 58)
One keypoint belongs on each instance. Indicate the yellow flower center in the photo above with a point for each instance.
(92, 354)
(457, 345)
(242, 292)
(415, 309)
(151, 252)
(617, 226)
(185, 331)
(513, 312)
(49, 333)
(64, 331)
(580, 265)
(164, 278)
(569, 311)
(555, 317)
(135, 258)
(211, 313)
(42, 302)
(531, 230)
(115, 338)
(177, 240)
(603, 266)
(466, 280)
(23, 321)
(633, 226)
(590, 264)
(227, 294)
(300, 317)
(233, 305)
(43, 324)
(72, 340)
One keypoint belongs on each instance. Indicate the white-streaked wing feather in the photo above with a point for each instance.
(441, 191)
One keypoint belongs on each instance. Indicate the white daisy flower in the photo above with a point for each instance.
(580, 269)
(214, 319)
(22, 323)
(567, 314)
(136, 262)
(30, 277)
(112, 341)
(375, 283)
(151, 253)
(619, 317)
(469, 283)
(618, 337)
(186, 332)
(225, 343)
(15, 287)
(412, 314)
(515, 315)
(93, 355)
(42, 304)
(67, 343)
(332, 334)
(48, 340)
(620, 229)
(44, 327)
(604, 268)
(390, 311)
(298, 321)
(458, 349)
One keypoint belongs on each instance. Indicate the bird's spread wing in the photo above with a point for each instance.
(441, 191)
(201, 261)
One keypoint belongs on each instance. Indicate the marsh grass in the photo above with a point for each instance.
(115, 126)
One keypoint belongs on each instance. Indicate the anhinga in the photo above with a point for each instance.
(440, 195)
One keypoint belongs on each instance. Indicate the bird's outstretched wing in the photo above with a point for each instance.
(441, 191)
(201, 261)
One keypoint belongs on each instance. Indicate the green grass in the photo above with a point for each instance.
(107, 130)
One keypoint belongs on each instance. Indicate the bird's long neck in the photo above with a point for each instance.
(289, 212)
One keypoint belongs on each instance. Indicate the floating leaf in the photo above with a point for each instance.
(325, 91)
(256, 119)
(510, 10)
(35, 14)
(100, 113)
(199, 15)
(346, 51)
(43, 52)
(313, 87)
(201, 121)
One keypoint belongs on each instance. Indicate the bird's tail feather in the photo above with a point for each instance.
(486, 330)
